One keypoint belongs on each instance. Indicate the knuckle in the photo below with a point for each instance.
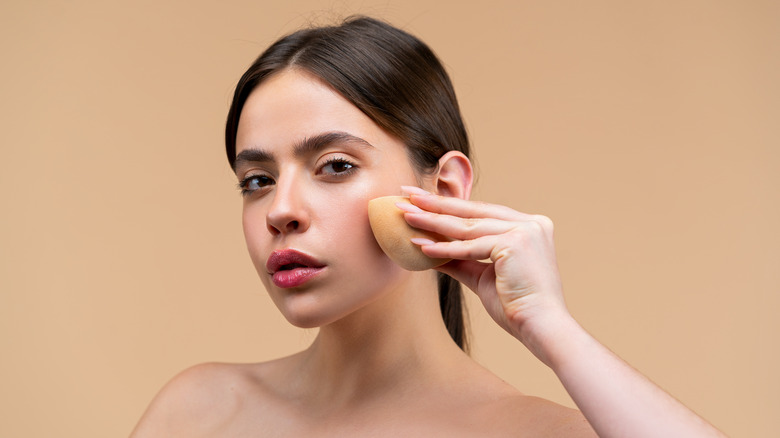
(545, 222)
(518, 235)
(470, 223)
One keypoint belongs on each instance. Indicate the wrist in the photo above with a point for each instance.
(549, 337)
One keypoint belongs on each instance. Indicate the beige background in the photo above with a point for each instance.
(648, 131)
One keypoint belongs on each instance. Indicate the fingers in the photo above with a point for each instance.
(451, 226)
(461, 207)
(468, 272)
(474, 249)
(464, 219)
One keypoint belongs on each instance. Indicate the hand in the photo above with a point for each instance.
(521, 288)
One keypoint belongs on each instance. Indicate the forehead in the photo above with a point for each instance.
(293, 105)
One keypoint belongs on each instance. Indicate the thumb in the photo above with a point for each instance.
(468, 272)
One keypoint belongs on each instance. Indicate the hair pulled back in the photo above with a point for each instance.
(392, 77)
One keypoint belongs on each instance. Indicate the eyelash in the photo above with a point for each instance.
(242, 185)
(340, 160)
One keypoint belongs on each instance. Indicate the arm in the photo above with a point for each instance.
(521, 291)
(616, 399)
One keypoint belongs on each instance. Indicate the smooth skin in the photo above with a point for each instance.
(521, 291)
(383, 363)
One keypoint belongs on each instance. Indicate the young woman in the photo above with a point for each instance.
(324, 121)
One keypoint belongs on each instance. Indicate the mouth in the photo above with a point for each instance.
(291, 268)
(290, 259)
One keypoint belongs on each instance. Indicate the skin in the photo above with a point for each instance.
(521, 291)
(383, 363)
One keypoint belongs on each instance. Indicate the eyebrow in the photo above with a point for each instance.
(307, 146)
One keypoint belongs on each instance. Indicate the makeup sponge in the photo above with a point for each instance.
(393, 234)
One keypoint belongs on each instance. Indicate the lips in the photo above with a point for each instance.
(291, 268)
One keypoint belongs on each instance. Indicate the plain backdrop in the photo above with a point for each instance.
(648, 131)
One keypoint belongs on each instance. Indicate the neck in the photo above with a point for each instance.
(397, 340)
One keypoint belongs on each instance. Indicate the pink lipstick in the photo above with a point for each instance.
(290, 268)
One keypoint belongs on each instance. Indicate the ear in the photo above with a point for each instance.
(454, 176)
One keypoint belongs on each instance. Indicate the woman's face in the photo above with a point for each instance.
(309, 162)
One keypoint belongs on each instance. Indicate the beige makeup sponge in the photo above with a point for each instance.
(393, 234)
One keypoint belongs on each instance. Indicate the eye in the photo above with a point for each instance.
(337, 166)
(252, 183)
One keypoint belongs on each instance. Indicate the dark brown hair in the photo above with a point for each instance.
(392, 77)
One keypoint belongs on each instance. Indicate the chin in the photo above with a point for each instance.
(308, 320)
(323, 303)
(306, 311)
(310, 309)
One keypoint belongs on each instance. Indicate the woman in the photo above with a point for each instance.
(324, 121)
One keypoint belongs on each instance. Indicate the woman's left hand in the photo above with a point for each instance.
(521, 287)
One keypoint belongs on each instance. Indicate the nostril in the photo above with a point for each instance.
(285, 219)
(286, 227)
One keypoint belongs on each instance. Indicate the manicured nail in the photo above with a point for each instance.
(414, 190)
(405, 206)
(422, 241)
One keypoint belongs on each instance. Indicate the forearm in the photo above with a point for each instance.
(521, 290)
(616, 399)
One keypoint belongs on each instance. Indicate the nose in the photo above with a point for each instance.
(288, 212)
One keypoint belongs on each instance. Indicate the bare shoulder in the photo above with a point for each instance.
(198, 401)
(502, 410)
(544, 418)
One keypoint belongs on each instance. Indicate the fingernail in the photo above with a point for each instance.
(405, 206)
(422, 241)
(414, 190)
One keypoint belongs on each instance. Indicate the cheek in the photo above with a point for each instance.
(349, 208)
(348, 228)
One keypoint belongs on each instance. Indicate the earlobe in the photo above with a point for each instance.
(455, 175)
